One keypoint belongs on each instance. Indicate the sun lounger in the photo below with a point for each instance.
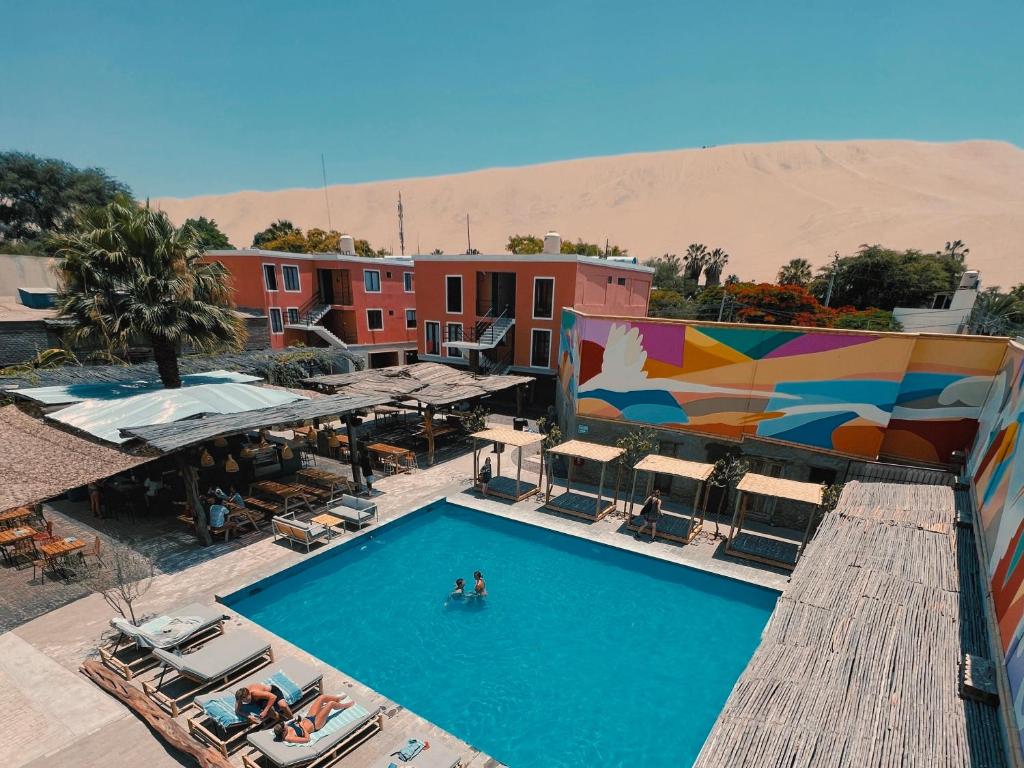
(434, 756)
(298, 532)
(307, 678)
(219, 662)
(178, 629)
(345, 730)
(357, 511)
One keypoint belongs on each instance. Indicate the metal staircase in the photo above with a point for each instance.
(486, 334)
(326, 335)
(310, 315)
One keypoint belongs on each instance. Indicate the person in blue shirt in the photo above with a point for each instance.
(218, 514)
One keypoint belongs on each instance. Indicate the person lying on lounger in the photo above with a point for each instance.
(269, 697)
(297, 731)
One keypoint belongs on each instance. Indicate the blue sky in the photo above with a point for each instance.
(189, 98)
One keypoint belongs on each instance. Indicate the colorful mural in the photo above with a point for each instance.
(997, 466)
(863, 394)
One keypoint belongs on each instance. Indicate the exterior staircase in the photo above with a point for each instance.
(326, 335)
(487, 334)
(310, 316)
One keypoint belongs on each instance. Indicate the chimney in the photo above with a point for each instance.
(347, 245)
(552, 243)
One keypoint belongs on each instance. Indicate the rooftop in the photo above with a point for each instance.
(536, 257)
(342, 257)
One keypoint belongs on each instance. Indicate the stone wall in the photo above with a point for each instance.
(20, 340)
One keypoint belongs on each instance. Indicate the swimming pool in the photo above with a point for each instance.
(581, 654)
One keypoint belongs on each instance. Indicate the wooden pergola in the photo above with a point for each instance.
(673, 526)
(506, 487)
(578, 504)
(775, 487)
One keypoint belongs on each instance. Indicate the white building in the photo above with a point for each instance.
(949, 313)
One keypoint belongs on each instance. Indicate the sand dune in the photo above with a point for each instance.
(763, 203)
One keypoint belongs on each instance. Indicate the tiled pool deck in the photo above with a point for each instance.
(75, 724)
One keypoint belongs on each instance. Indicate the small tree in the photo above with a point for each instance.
(727, 472)
(476, 420)
(552, 437)
(635, 446)
(127, 577)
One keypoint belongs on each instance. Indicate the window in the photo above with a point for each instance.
(387, 275)
(543, 298)
(622, 281)
(375, 319)
(293, 314)
(276, 326)
(291, 278)
(609, 279)
(270, 277)
(453, 294)
(371, 280)
(410, 318)
(407, 282)
(432, 334)
(454, 334)
(540, 348)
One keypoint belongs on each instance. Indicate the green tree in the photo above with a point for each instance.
(524, 244)
(717, 260)
(275, 231)
(210, 236)
(40, 196)
(726, 474)
(882, 277)
(130, 275)
(795, 272)
(997, 314)
(666, 272)
(956, 250)
(694, 261)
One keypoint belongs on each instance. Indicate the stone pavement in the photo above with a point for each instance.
(39, 682)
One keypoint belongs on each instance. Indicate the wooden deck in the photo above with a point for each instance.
(859, 662)
(579, 505)
(671, 527)
(769, 550)
(505, 488)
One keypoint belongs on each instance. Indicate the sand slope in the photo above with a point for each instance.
(764, 203)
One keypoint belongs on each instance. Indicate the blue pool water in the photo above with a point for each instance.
(581, 654)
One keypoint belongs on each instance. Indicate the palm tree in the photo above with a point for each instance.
(997, 314)
(956, 250)
(795, 272)
(129, 275)
(694, 261)
(717, 260)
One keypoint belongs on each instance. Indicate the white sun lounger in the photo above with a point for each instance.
(437, 756)
(307, 677)
(219, 662)
(198, 622)
(357, 725)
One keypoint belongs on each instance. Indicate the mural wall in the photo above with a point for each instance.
(997, 467)
(863, 394)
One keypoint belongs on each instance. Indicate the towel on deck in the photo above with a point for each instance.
(164, 631)
(292, 692)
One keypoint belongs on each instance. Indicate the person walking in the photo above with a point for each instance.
(367, 469)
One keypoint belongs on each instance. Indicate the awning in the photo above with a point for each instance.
(38, 461)
(514, 437)
(810, 493)
(666, 465)
(580, 449)
(63, 394)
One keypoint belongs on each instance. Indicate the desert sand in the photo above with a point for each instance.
(763, 203)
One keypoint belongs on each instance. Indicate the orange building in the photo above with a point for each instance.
(366, 305)
(503, 312)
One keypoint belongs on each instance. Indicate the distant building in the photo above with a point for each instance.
(364, 305)
(502, 312)
(949, 313)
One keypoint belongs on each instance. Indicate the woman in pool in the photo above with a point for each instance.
(460, 588)
(479, 588)
(297, 731)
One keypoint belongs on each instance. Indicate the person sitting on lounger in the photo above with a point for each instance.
(297, 731)
(650, 513)
(485, 475)
(479, 588)
(274, 705)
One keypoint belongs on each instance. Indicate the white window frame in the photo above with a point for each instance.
(462, 295)
(266, 285)
(380, 285)
(407, 279)
(298, 278)
(413, 326)
(288, 314)
(540, 330)
(533, 298)
(374, 309)
(449, 350)
(270, 319)
(426, 340)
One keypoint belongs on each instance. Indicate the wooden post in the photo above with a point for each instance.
(353, 449)
(519, 401)
(519, 472)
(476, 462)
(600, 489)
(807, 533)
(191, 482)
(693, 512)
(568, 474)
(498, 472)
(428, 430)
(632, 496)
(740, 500)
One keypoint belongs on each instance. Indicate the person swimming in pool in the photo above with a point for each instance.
(460, 588)
(479, 587)
(297, 731)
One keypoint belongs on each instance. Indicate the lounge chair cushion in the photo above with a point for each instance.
(159, 632)
(218, 657)
(337, 730)
(302, 675)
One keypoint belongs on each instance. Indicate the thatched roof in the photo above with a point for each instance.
(781, 489)
(509, 436)
(583, 450)
(429, 383)
(666, 465)
(38, 462)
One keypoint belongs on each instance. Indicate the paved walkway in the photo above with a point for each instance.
(40, 675)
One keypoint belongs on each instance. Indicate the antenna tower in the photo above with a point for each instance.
(401, 224)
(327, 201)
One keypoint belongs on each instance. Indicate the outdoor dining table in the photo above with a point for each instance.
(383, 450)
(329, 480)
(56, 551)
(288, 495)
(13, 518)
(12, 536)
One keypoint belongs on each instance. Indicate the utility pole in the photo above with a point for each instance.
(327, 201)
(721, 307)
(832, 277)
(469, 243)
(401, 224)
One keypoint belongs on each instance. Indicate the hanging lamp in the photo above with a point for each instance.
(230, 465)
